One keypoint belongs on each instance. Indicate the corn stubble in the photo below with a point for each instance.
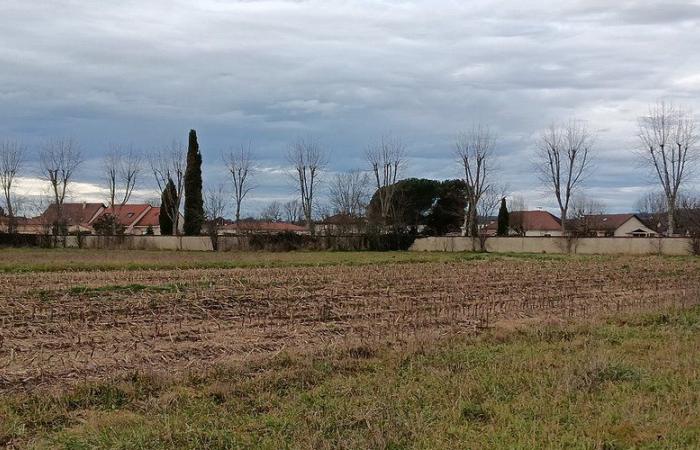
(77, 326)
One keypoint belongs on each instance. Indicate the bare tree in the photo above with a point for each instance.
(563, 161)
(669, 140)
(348, 193)
(583, 215)
(122, 166)
(59, 159)
(517, 203)
(652, 206)
(272, 212)
(487, 207)
(168, 163)
(11, 160)
(308, 160)
(516, 206)
(292, 211)
(387, 159)
(475, 152)
(491, 200)
(214, 208)
(240, 165)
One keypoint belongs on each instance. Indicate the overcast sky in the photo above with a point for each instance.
(344, 72)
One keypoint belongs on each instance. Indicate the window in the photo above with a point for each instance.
(130, 215)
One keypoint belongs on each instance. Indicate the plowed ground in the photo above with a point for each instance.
(60, 328)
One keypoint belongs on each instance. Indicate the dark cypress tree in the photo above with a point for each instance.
(167, 208)
(194, 204)
(503, 219)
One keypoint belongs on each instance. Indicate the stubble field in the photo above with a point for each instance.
(73, 319)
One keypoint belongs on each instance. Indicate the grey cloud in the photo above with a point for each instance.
(346, 73)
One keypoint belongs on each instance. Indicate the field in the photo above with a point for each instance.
(388, 350)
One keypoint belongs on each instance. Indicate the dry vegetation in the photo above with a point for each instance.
(61, 329)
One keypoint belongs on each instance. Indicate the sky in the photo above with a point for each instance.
(344, 73)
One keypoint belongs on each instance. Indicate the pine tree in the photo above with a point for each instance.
(503, 219)
(194, 203)
(167, 208)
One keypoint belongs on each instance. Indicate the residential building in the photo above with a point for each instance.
(528, 223)
(75, 217)
(137, 218)
(613, 225)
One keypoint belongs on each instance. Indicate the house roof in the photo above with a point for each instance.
(150, 219)
(607, 222)
(535, 220)
(73, 213)
(128, 214)
(528, 220)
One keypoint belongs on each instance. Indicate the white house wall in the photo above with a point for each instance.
(632, 224)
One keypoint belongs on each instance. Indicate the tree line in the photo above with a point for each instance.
(564, 159)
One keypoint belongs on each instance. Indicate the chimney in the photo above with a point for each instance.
(84, 205)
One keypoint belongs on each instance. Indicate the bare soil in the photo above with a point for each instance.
(59, 328)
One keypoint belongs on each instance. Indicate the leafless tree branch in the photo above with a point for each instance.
(12, 155)
(386, 159)
(563, 161)
(59, 159)
(308, 161)
(168, 163)
(475, 153)
(348, 193)
(239, 163)
(668, 139)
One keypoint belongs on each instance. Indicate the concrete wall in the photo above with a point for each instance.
(190, 243)
(583, 246)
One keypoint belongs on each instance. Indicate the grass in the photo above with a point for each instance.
(631, 382)
(53, 260)
(128, 288)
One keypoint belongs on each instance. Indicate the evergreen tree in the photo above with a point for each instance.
(503, 219)
(194, 203)
(167, 208)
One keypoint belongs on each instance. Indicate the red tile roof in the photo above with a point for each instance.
(606, 222)
(530, 220)
(536, 220)
(129, 213)
(73, 213)
(150, 219)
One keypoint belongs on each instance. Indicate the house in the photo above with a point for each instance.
(528, 223)
(138, 217)
(613, 225)
(76, 217)
(23, 225)
(129, 215)
(152, 219)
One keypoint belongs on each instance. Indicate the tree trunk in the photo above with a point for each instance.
(564, 212)
(671, 219)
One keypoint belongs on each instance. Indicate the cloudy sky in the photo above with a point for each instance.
(345, 73)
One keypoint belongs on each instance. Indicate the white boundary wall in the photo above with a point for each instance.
(583, 246)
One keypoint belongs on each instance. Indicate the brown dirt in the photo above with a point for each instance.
(52, 334)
